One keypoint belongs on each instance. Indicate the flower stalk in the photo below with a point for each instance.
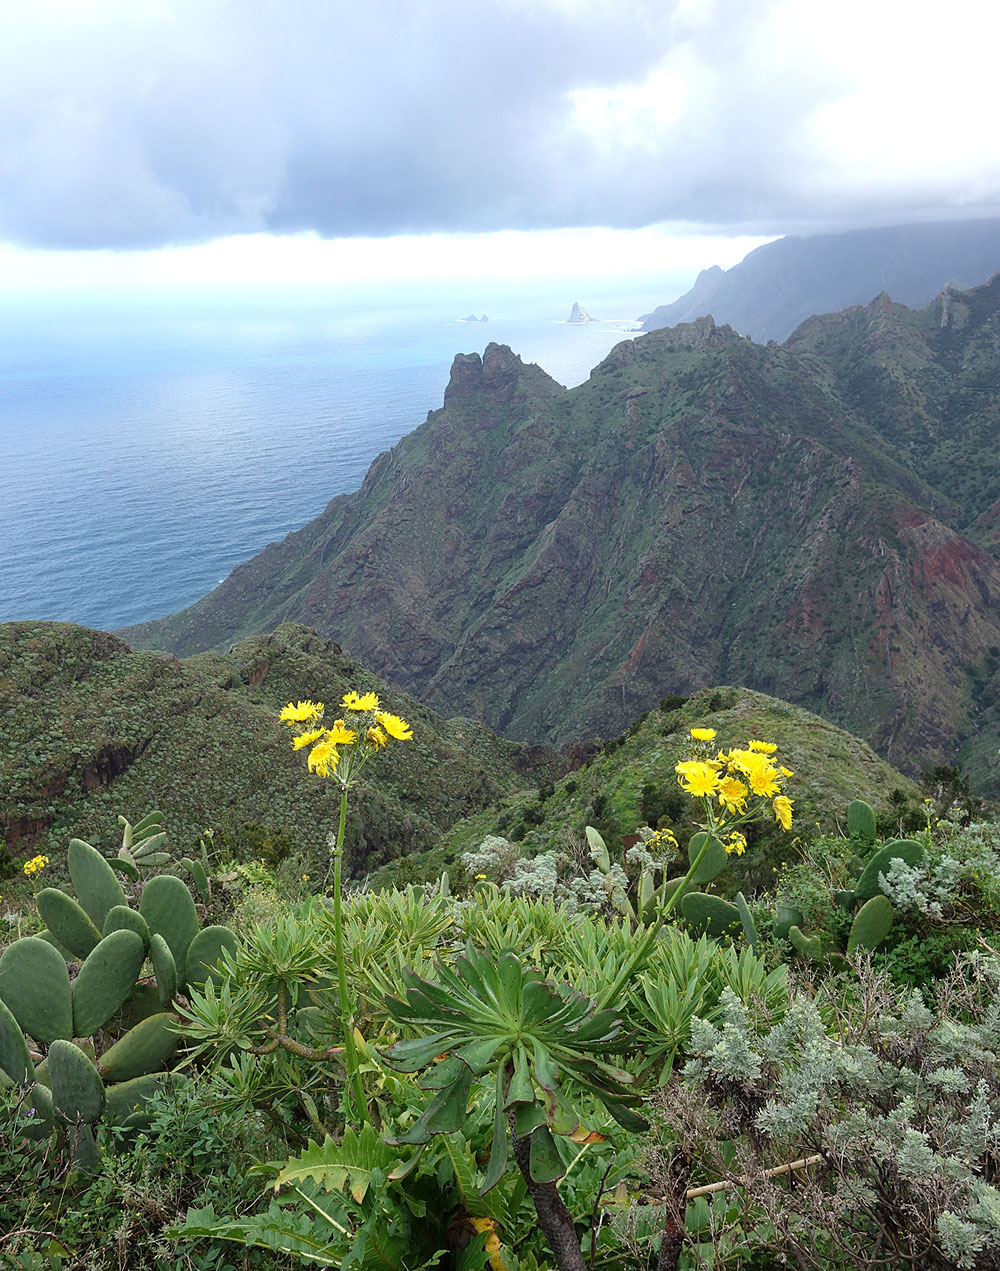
(340, 752)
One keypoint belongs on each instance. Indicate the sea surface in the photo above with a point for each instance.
(149, 443)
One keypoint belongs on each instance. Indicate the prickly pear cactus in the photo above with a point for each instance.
(861, 820)
(91, 1048)
(709, 914)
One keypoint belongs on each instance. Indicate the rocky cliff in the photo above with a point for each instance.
(702, 510)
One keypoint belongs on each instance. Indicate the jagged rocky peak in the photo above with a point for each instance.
(494, 376)
(578, 313)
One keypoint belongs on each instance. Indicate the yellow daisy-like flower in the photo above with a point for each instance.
(697, 777)
(323, 758)
(394, 726)
(703, 734)
(782, 806)
(300, 712)
(35, 865)
(376, 736)
(352, 702)
(764, 747)
(732, 794)
(340, 734)
(307, 739)
(760, 773)
(736, 844)
(764, 781)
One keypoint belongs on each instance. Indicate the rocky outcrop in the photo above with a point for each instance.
(579, 314)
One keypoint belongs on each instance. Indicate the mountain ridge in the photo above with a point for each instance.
(782, 284)
(701, 510)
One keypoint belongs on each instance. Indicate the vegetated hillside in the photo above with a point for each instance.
(90, 730)
(631, 781)
(779, 285)
(702, 510)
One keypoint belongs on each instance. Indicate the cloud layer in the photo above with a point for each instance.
(134, 123)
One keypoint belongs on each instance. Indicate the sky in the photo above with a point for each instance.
(298, 140)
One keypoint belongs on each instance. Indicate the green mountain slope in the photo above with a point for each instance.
(631, 781)
(90, 730)
(702, 510)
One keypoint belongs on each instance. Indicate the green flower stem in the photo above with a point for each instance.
(642, 950)
(352, 1075)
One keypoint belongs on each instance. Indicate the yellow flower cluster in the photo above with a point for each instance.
(35, 865)
(664, 841)
(734, 777)
(325, 744)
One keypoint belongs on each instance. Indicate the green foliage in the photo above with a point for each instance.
(896, 1099)
(505, 1026)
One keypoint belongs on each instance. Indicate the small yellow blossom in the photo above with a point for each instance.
(394, 726)
(307, 739)
(782, 806)
(35, 865)
(340, 734)
(481, 876)
(323, 758)
(300, 712)
(732, 794)
(736, 843)
(352, 702)
(764, 747)
(376, 736)
(703, 734)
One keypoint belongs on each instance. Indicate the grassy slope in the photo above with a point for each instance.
(89, 730)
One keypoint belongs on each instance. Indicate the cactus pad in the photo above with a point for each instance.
(97, 886)
(144, 1049)
(77, 1089)
(169, 911)
(34, 984)
(15, 1058)
(871, 926)
(164, 968)
(122, 918)
(861, 820)
(67, 921)
(785, 917)
(204, 952)
(710, 914)
(810, 946)
(125, 1106)
(712, 863)
(908, 850)
(106, 980)
(197, 872)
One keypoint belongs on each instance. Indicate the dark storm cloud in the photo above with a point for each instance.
(141, 123)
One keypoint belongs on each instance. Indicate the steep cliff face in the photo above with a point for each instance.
(702, 510)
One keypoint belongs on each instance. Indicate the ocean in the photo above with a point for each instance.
(149, 443)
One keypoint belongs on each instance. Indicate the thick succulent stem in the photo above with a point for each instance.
(554, 1218)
